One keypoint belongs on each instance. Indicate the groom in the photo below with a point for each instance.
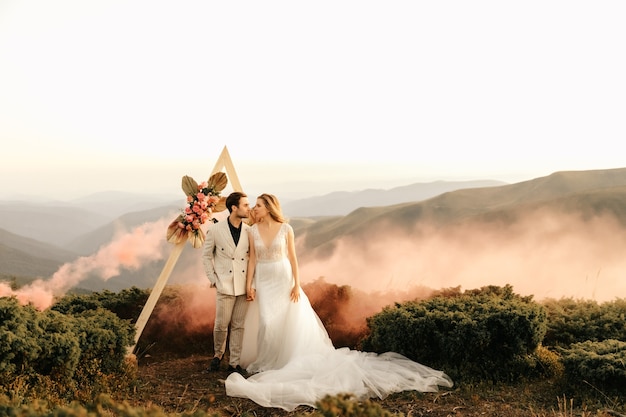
(225, 259)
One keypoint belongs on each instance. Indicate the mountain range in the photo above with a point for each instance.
(580, 193)
(37, 238)
(340, 203)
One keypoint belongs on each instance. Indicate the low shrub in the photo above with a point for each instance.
(573, 321)
(20, 334)
(476, 335)
(52, 355)
(600, 364)
(127, 304)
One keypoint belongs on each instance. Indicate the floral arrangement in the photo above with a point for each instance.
(202, 200)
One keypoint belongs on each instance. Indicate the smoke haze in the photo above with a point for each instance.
(129, 250)
(544, 254)
(547, 255)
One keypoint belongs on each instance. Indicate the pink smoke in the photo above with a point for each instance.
(130, 250)
(547, 255)
(544, 254)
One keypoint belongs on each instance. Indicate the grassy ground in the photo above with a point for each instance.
(183, 384)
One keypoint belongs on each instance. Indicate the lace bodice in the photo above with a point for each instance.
(277, 250)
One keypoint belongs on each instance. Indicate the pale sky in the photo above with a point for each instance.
(309, 97)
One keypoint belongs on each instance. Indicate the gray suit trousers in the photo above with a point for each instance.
(230, 311)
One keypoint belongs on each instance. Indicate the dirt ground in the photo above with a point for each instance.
(184, 384)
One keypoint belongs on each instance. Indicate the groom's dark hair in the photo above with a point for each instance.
(233, 200)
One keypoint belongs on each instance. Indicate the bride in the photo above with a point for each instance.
(286, 346)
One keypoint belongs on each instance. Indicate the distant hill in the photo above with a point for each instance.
(583, 192)
(63, 223)
(113, 204)
(82, 225)
(25, 257)
(343, 202)
(90, 242)
(56, 224)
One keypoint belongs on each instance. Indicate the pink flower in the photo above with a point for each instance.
(197, 211)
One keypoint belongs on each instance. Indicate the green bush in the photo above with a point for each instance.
(127, 304)
(601, 364)
(19, 336)
(540, 364)
(476, 335)
(104, 337)
(49, 352)
(572, 321)
(60, 347)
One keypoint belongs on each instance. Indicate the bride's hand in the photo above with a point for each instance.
(250, 294)
(295, 294)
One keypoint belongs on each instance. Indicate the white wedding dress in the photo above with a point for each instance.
(291, 357)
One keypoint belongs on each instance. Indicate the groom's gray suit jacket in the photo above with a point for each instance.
(224, 263)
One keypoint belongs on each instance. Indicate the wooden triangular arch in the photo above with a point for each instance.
(223, 162)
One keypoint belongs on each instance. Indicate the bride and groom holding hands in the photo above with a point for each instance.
(275, 335)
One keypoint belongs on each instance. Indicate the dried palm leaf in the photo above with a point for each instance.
(190, 186)
(220, 205)
(176, 234)
(218, 181)
(197, 239)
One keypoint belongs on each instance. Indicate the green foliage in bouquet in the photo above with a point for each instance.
(573, 321)
(482, 334)
(601, 364)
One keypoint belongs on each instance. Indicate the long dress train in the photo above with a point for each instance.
(291, 356)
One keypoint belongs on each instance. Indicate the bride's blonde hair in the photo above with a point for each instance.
(273, 207)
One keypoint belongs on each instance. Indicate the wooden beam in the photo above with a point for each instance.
(223, 162)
